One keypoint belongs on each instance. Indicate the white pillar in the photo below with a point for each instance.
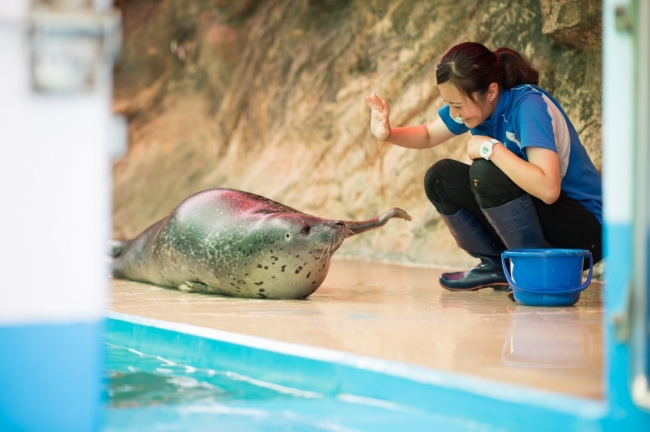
(54, 225)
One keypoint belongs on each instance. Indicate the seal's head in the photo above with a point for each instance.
(303, 232)
(291, 253)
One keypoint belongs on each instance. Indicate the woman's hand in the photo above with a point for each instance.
(414, 137)
(474, 144)
(379, 112)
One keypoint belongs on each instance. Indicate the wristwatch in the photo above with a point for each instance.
(486, 148)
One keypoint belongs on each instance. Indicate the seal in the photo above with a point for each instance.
(235, 243)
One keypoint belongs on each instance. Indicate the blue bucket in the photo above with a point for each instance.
(547, 277)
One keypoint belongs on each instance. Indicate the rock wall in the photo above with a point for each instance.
(267, 96)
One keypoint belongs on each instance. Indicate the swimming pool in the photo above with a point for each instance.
(168, 376)
(152, 393)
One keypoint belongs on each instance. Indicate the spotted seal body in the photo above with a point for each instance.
(235, 243)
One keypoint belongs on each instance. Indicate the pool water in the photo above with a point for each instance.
(150, 393)
(136, 379)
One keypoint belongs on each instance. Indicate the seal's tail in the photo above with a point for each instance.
(359, 227)
(117, 247)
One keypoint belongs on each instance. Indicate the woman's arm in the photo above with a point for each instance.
(540, 176)
(415, 137)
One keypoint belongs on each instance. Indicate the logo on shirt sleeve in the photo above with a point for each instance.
(512, 137)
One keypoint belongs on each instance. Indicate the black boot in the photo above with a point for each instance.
(489, 273)
(471, 236)
(518, 226)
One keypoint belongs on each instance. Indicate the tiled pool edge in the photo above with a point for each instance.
(334, 372)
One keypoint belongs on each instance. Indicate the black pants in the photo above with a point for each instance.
(451, 185)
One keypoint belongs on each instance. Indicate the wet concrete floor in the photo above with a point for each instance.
(401, 313)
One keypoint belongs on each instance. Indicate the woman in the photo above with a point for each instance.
(531, 183)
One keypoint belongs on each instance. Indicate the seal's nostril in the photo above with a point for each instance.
(339, 223)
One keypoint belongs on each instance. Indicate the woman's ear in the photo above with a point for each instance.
(493, 92)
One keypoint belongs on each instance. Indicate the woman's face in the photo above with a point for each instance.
(463, 108)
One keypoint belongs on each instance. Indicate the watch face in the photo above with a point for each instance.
(486, 150)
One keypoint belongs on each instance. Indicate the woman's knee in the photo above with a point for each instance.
(491, 186)
(483, 170)
(435, 175)
(441, 169)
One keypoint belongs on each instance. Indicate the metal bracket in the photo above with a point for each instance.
(621, 320)
(73, 52)
(623, 21)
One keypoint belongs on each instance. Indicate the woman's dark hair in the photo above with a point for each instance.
(471, 68)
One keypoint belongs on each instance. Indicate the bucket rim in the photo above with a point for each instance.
(546, 253)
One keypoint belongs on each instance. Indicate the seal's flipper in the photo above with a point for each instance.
(117, 247)
(195, 287)
(359, 227)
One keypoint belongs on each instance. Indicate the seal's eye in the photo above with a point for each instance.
(305, 229)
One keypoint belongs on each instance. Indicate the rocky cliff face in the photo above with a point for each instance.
(267, 96)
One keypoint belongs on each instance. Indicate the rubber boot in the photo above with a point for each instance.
(471, 236)
(518, 226)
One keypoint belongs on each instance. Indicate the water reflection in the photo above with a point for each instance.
(548, 338)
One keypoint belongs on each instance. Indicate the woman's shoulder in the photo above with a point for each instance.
(527, 92)
(526, 96)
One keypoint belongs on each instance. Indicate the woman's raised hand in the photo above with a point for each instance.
(379, 112)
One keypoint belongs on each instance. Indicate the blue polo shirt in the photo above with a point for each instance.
(528, 116)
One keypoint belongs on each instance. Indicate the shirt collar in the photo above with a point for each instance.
(505, 97)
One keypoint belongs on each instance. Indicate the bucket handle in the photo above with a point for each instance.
(580, 288)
